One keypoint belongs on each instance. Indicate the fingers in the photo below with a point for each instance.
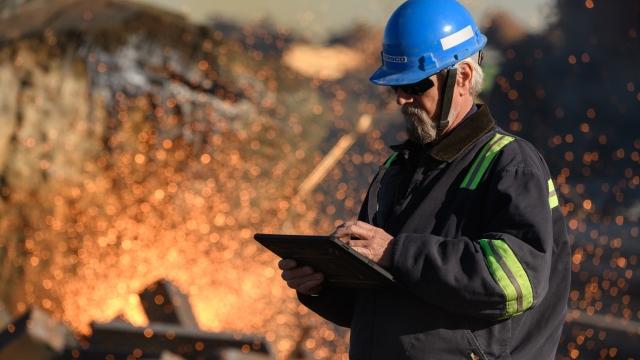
(342, 230)
(306, 282)
(302, 279)
(287, 264)
(310, 288)
(358, 229)
(362, 230)
(364, 251)
(297, 273)
(358, 243)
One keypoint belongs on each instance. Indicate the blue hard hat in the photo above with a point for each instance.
(423, 37)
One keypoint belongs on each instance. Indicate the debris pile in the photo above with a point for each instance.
(172, 333)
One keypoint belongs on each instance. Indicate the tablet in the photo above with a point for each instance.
(341, 265)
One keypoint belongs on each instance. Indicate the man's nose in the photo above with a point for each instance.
(403, 98)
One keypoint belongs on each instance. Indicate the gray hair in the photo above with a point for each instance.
(478, 74)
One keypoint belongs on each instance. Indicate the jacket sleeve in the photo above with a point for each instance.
(504, 270)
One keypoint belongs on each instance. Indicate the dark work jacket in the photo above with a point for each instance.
(480, 251)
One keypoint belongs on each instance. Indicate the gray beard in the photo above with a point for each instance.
(420, 127)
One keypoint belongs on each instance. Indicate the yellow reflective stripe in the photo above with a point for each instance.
(489, 158)
(511, 300)
(507, 271)
(553, 196)
(518, 271)
(478, 160)
(484, 160)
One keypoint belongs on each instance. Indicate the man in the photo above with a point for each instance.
(463, 214)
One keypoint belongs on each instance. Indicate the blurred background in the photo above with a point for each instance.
(148, 140)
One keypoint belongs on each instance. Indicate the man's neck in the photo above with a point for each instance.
(465, 108)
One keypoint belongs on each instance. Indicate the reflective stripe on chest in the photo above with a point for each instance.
(484, 159)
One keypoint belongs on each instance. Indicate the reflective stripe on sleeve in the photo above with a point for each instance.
(507, 271)
(484, 160)
(553, 196)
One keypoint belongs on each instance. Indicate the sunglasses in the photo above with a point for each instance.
(415, 89)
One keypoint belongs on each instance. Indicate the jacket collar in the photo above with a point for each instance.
(471, 128)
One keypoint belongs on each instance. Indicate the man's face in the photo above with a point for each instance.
(421, 111)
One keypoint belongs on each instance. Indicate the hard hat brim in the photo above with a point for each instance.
(384, 77)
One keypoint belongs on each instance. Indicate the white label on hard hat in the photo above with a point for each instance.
(396, 59)
(457, 38)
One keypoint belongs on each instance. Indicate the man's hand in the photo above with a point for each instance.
(370, 241)
(303, 279)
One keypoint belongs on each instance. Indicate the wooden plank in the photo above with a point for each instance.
(163, 302)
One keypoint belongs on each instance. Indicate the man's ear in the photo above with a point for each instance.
(463, 81)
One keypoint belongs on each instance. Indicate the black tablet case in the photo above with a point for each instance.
(341, 265)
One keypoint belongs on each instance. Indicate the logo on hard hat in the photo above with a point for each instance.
(395, 59)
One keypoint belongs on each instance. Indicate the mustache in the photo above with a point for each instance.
(409, 109)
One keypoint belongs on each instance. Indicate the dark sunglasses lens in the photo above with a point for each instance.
(418, 88)
(421, 87)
